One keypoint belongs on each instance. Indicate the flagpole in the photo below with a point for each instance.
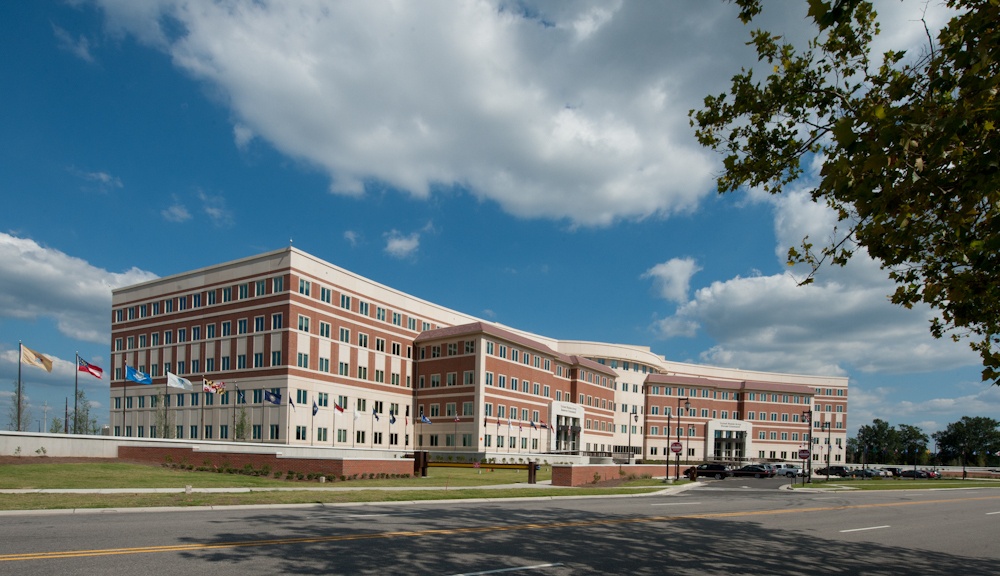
(372, 441)
(204, 397)
(76, 391)
(312, 428)
(20, 354)
(263, 419)
(166, 411)
(234, 409)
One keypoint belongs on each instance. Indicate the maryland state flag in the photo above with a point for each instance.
(29, 356)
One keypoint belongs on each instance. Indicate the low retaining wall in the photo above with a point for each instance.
(273, 461)
(591, 474)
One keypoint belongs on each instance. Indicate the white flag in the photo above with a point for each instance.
(175, 381)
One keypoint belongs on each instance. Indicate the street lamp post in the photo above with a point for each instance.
(687, 405)
(829, 448)
(667, 454)
(808, 415)
(636, 417)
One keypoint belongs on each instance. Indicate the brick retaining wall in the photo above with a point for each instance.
(327, 466)
(586, 474)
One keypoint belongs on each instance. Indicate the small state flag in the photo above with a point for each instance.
(291, 403)
(338, 407)
(315, 408)
(375, 414)
(35, 359)
(357, 415)
(241, 396)
(392, 418)
(533, 425)
(173, 380)
(519, 427)
(272, 397)
(212, 386)
(140, 377)
(456, 417)
(84, 366)
(425, 419)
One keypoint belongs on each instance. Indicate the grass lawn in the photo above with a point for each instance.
(125, 476)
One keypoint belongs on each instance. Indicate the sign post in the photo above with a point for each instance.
(676, 448)
(804, 455)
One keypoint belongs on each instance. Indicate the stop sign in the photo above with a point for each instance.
(803, 454)
(676, 447)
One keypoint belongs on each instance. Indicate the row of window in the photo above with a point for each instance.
(344, 335)
(195, 332)
(199, 299)
(182, 367)
(528, 359)
(364, 308)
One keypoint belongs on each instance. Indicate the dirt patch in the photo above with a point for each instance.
(613, 483)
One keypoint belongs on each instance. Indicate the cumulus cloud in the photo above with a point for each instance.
(79, 46)
(352, 237)
(570, 112)
(39, 282)
(401, 246)
(214, 206)
(176, 212)
(844, 319)
(672, 278)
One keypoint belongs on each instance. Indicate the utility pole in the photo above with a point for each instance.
(45, 413)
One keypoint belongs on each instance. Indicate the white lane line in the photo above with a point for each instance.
(514, 569)
(676, 504)
(863, 529)
(992, 513)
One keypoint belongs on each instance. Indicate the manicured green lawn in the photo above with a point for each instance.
(125, 476)
(121, 475)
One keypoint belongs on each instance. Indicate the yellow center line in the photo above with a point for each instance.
(467, 530)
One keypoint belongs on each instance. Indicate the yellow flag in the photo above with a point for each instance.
(35, 359)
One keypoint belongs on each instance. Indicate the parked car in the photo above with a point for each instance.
(894, 471)
(755, 470)
(865, 473)
(789, 470)
(717, 471)
(832, 471)
(914, 474)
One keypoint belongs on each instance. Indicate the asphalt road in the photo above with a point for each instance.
(736, 526)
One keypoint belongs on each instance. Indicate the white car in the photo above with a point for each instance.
(788, 470)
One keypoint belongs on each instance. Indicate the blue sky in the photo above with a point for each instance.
(528, 163)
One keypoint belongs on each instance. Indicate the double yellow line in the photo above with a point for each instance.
(194, 547)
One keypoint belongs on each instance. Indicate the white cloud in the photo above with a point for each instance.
(352, 237)
(399, 246)
(39, 282)
(843, 320)
(242, 136)
(215, 208)
(79, 47)
(105, 182)
(673, 277)
(176, 213)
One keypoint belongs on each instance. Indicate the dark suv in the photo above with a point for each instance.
(717, 471)
(833, 471)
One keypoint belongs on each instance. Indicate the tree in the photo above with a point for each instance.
(164, 421)
(877, 442)
(79, 418)
(242, 425)
(56, 426)
(19, 416)
(909, 148)
(912, 443)
(969, 438)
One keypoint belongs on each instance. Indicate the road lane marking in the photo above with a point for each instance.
(676, 504)
(863, 529)
(513, 569)
(193, 547)
(992, 513)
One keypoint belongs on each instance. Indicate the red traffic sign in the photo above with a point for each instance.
(803, 454)
(676, 447)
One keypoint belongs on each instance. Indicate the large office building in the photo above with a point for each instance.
(284, 347)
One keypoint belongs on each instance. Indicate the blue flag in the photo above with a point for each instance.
(241, 396)
(392, 420)
(425, 419)
(375, 414)
(272, 397)
(315, 408)
(136, 376)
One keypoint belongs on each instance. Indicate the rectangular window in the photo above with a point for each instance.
(325, 294)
